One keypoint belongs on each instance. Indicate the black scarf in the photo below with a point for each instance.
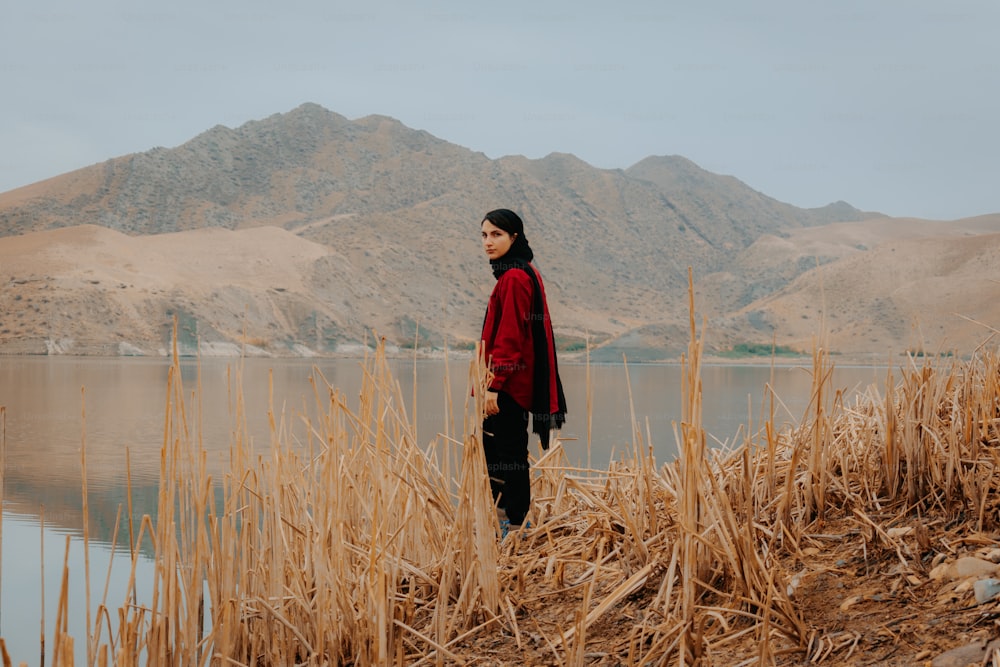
(543, 421)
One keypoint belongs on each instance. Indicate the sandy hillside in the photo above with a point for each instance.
(93, 284)
(870, 289)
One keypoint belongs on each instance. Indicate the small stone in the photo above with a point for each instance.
(974, 567)
(986, 589)
(970, 654)
(940, 571)
(964, 567)
(960, 657)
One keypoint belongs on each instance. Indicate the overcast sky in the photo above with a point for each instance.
(890, 105)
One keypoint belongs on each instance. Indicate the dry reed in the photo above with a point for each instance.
(344, 541)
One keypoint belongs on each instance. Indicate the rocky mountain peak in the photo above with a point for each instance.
(396, 209)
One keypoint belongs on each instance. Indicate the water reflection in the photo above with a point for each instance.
(116, 408)
(33, 559)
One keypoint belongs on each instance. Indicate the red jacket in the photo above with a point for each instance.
(507, 338)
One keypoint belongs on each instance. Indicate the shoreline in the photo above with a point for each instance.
(597, 356)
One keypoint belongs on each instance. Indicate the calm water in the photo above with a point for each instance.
(54, 405)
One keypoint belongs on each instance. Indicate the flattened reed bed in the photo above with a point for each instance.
(347, 542)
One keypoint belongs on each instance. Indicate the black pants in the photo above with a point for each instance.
(505, 439)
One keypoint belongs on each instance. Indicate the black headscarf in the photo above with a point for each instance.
(519, 256)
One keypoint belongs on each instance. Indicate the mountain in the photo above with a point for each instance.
(307, 232)
(877, 287)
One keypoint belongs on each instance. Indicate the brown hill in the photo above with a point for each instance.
(95, 290)
(883, 289)
(374, 226)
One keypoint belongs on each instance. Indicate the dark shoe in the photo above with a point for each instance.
(519, 530)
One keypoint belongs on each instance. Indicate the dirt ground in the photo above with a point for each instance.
(882, 596)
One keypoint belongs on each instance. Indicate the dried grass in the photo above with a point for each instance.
(355, 545)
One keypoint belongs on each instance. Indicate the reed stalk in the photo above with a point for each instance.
(690, 500)
(344, 540)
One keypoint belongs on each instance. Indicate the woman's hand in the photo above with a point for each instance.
(491, 407)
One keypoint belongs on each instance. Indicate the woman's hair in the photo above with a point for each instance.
(511, 223)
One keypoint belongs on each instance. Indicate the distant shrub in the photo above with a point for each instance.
(570, 343)
(923, 353)
(759, 350)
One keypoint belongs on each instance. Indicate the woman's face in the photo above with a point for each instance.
(496, 242)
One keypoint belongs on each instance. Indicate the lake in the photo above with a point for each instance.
(56, 409)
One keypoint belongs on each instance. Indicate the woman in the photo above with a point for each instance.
(520, 351)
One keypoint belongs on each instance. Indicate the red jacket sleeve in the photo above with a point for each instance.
(512, 351)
